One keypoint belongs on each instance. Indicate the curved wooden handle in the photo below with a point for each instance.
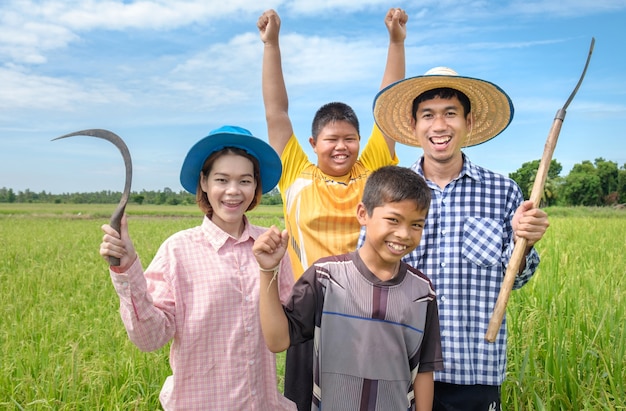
(520, 245)
(116, 224)
(519, 251)
(505, 290)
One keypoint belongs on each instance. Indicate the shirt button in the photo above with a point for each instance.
(443, 264)
(125, 284)
(251, 362)
(443, 298)
(249, 329)
(444, 232)
(248, 298)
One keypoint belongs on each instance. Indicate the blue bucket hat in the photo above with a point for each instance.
(231, 136)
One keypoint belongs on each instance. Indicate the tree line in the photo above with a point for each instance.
(165, 197)
(597, 183)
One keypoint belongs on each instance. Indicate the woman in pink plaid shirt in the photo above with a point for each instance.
(202, 288)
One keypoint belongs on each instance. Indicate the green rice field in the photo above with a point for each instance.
(63, 346)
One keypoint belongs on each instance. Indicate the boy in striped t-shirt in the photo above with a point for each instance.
(373, 318)
(319, 199)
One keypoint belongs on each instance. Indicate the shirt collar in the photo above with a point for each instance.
(468, 169)
(218, 237)
(371, 277)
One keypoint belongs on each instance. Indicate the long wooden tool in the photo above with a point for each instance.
(519, 250)
(116, 218)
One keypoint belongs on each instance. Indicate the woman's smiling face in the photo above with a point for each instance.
(230, 187)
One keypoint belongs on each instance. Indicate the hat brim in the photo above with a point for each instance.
(269, 161)
(492, 109)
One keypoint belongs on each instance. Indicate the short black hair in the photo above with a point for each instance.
(392, 184)
(331, 112)
(444, 93)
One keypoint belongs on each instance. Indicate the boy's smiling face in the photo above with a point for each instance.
(393, 230)
(337, 148)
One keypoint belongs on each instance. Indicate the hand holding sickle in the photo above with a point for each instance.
(116, 218)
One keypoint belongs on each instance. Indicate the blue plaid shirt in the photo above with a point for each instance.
(465, 248)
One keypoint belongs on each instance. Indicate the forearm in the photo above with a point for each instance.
(274, 322)
(423, 388)
(275, 98)
(148, 326)
(395, 68)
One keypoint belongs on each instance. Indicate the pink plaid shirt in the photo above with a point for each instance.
(202, 290)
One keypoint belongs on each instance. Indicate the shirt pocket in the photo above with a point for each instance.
(482, 241)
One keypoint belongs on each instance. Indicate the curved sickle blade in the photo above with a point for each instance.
(116, 218)
(582, 76)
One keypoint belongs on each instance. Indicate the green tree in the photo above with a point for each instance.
(608, 173)
(549, 193)
(160, 198)
(621, 184)
(138, 198)
(7, 195)
(525, 178)
(272, 197)
(583, 186)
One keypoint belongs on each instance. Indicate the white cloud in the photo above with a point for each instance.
(27, 41)
(326, 60)
(142, 14)
(319, 6)
(23, 91)
(570, 8)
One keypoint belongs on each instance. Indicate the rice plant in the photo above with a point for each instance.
(63, 346)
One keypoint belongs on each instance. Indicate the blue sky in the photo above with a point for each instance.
(163, 73)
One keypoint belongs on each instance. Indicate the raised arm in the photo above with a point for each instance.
(268, 250)
(395, 68)
(275, 99)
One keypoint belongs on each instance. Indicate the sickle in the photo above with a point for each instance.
(116, 218)
(535, 196)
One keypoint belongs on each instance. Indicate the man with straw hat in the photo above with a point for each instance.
(475, 218)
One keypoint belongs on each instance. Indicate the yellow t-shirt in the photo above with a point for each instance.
(320, 210)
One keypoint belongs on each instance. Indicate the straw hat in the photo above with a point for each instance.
(231, 136)
(492, 108)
